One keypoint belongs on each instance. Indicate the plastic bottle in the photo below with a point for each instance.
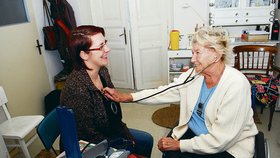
(174, 39)
(275, 30)
(243, 35)
(258, 28)
(196, 28)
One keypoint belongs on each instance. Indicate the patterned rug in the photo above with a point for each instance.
(168, 116)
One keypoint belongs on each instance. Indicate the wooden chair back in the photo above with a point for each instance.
(254, 59)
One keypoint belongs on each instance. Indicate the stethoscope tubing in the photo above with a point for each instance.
(187, 80)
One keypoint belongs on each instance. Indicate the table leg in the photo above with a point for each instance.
(272, 109)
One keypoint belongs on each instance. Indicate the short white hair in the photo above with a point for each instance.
(215, 38)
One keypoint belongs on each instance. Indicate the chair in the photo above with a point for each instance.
(261, 146)
(68, 131)
(257, 63)
(72, 146)
(3, 149)
(17, 128)
(255, 59)
(48, 130)
(52, 100)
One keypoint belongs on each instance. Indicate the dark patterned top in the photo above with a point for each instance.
(93, 123)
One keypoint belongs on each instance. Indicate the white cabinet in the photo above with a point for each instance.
(241, 12)
(179, 61)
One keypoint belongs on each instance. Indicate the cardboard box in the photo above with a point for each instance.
(257, 36)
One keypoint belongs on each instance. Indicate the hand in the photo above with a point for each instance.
(117, 96)
(168, 143)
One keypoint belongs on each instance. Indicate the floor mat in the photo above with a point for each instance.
(167, 117)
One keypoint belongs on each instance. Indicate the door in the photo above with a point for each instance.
(110, 14)
(148, 20)
(22, 71)
(137, 35)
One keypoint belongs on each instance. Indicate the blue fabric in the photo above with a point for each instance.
(197, 123)
(67, 125)
(143, 142)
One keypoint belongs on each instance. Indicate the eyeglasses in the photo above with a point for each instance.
(101, 48)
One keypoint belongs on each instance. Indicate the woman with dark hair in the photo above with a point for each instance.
(97, 117)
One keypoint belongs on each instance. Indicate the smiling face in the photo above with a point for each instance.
(203, 57)
(97, 55)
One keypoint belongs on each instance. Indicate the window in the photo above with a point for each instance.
(12, 12)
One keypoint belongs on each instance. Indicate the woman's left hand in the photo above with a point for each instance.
(168, 143)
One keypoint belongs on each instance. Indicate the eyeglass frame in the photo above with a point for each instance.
(101, 48)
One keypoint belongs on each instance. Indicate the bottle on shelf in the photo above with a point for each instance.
(258, 28)
(266, 28)
(275, 30)
(174, 39)
(243, 36)
(196, 28)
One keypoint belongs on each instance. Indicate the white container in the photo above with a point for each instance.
(183, 42)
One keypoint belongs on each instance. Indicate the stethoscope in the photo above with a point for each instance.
(187, 80)
(113, 105)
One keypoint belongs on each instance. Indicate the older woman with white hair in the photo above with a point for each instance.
(216, 118)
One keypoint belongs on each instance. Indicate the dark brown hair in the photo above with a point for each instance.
(80, 41)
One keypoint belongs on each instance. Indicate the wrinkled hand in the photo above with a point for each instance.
(117, 96)
(168, 143)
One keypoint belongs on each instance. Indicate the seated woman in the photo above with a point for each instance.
(97, 117)
(216, 118)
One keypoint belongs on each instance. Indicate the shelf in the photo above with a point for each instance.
(180, 53)
(239, 42)
(175, 72)
(180, 58)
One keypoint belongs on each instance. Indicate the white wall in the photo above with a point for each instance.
(82, 11)
(188, 13)
(52, 58)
